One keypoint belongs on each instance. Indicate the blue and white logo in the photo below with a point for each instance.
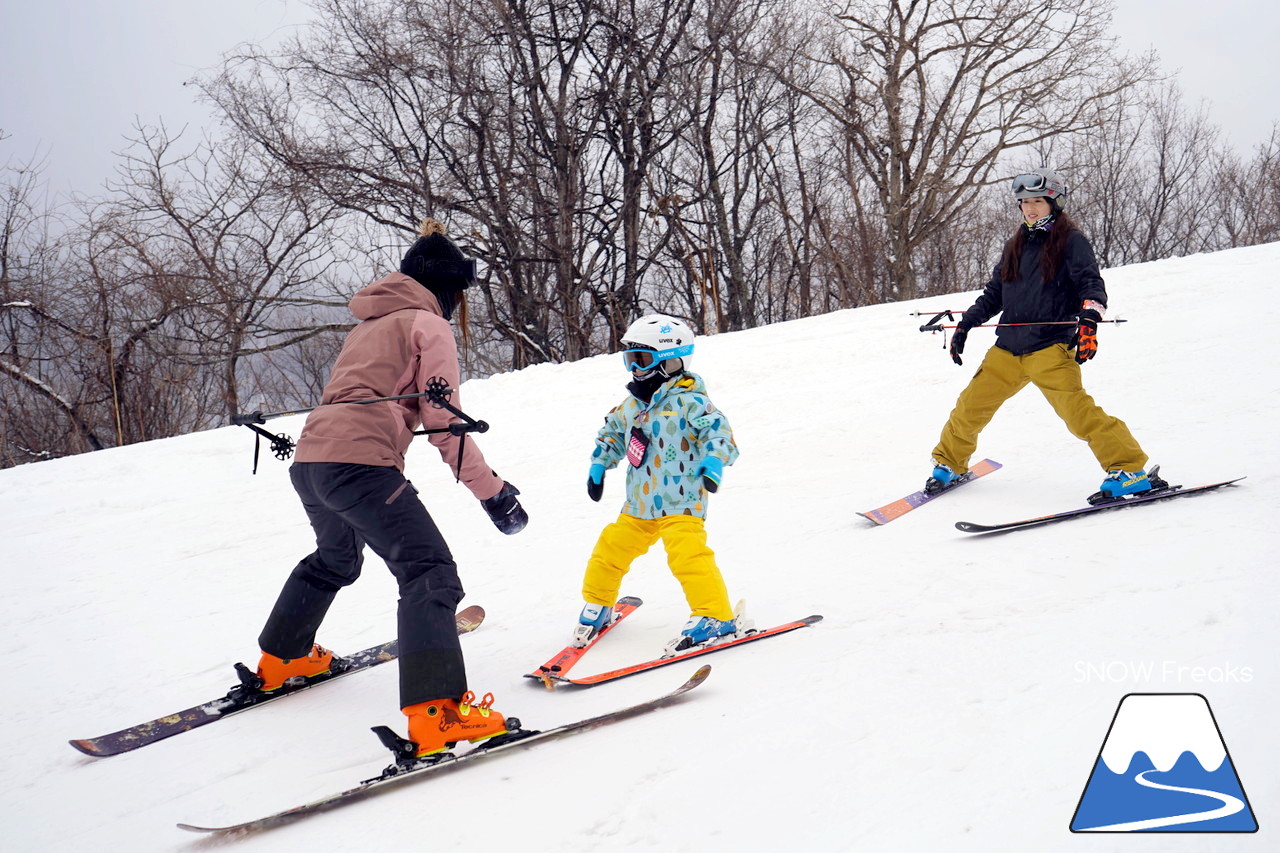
(1163, 767)
(664, 329)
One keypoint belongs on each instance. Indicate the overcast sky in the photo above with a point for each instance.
(74, 75)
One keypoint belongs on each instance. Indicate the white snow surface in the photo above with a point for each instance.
(955, 696)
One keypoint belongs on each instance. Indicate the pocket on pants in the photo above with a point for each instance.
(400, 490)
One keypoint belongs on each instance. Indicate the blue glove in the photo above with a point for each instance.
(711, 469)
(595, 481)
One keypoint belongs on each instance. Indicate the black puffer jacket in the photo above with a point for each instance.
(1030, 299)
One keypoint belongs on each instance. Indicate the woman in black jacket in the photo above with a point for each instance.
(1047, 275)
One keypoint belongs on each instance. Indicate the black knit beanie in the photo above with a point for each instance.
(438, 265)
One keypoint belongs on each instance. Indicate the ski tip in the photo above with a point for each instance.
(870, 516)
(631, 600)
(697, 678)
(469, 619)
(87, 747)
(189, 828)
(812, 620)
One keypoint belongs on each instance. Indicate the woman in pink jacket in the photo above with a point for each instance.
(349, 475)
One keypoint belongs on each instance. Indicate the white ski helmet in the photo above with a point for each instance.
(1042, 183)
(657, 343)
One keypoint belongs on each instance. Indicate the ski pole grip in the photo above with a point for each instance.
(464, 428)
(932, 325)
(248, 418)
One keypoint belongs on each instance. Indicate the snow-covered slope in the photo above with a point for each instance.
(954, 698)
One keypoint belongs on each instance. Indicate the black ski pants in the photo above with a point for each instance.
(350, 506)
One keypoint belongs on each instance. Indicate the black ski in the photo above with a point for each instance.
(1120, 503)
(400, 772)
(242, 697)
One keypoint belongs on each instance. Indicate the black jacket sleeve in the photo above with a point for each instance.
(989, 304)
(1082, 269)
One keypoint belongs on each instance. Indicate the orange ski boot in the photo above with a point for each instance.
(437, 725)
(275, 671)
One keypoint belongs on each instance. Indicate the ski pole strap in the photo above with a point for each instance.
(932, 325)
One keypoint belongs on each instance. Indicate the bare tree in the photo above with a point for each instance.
(1146, 178)
(233, 246)
(931, 95)
(534, 127)
(1239, 187)
(142, 316)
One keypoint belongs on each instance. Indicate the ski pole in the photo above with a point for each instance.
(262, 417)
(932, 328)
(437, 392)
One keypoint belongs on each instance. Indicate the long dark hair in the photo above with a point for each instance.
(1050, 259)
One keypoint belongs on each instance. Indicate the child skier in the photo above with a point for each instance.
(676, 444)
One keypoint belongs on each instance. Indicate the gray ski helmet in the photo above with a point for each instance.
(1041, 183)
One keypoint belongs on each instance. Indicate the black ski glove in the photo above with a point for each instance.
(1086, 342)
(957, 340)
(505, 511)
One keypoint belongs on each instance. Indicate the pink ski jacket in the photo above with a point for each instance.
(401, 343)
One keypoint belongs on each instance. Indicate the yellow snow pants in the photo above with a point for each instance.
(1054, 371)
(690, 560)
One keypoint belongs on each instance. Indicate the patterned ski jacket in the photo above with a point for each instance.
(1031, 299)
(677, 428)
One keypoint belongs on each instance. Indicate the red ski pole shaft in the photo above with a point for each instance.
(1009, 325)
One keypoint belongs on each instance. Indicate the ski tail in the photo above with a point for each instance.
(240, 698)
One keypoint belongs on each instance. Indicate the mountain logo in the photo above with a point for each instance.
(1163, 767)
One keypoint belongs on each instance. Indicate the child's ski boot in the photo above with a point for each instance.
(700, 631)
(593, 619)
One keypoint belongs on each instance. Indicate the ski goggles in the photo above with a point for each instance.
(462, 272)
(643, 359)
(1031, 183)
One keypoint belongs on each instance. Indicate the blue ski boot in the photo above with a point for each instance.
(699, 631)
(941, 478)
(1120, 484)
(593, 619)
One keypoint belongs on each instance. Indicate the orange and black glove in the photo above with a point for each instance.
(1086, 342)
(957, 340)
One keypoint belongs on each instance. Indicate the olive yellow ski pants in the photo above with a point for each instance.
(1054, 371)
(690, 560)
